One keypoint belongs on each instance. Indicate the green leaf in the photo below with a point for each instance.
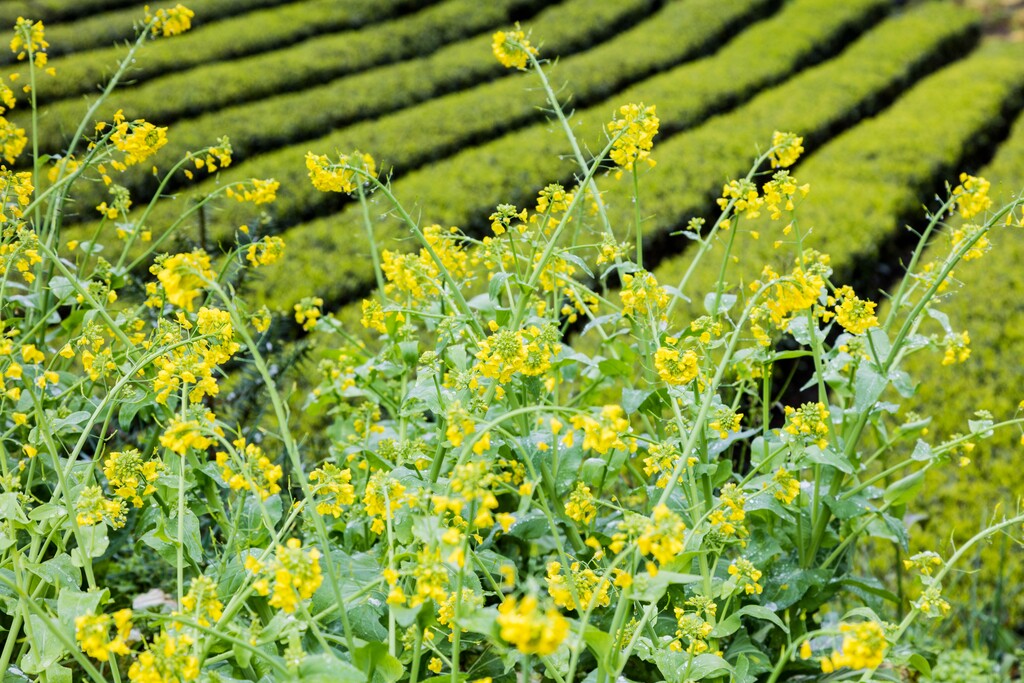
(904, 490)
(46, 648)
(731, 624)
(920, 664)
(93, 541)
(379, 666)
(11, 510)
(868, 387)
(72, 603)
(326, 669)
(827, 456)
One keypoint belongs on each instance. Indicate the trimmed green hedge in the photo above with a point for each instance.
(415, 136)
(990, 308)
(850, 86)
(265, 125)
(56, 10)
(100, 30)
(868, 182)
(173, 90)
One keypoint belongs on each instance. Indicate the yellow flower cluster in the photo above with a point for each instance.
(201, 603)
(504, 214)
(788, 486)
(256, 191)
(341, 176)
(512, 49)
(15, 191)
(809, 422)
(130, 476)
(332, 489)
(958, 348)
(642, 296)
(92, 508)
(530, 630)
(581, 504)
(295, 573)
(971, 196)
(92, 631)
(786, 149)
(170, 22)
(308, 311)
(606, 432)
(727, 519)
(789, 295)
(676, 367)
(12, 140)
(856, 315)
(257, 472)
(747, 575)
(779, 193)
(662, 459)
(183, 277)
(694, 629)
(168, 659)
(662, 536)
(382, 497)
(977, 234)
(29, 38)
(265, 252)
(747, 201)
(633, 135)
(138, 139)
(589, 587)
(184, 433)
(864, 647)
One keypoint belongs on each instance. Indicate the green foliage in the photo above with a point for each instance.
(965, 666)
(181, 91)
(819, 99)
(991, 484)
(867, 182)
(414, 137)
(271, 123)
(100, 30)
(56, 10)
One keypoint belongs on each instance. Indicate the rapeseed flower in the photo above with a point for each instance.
(633, 135)
(170, 22)
(528, 629)
(863, 647)
(92, 631)
(512, 49)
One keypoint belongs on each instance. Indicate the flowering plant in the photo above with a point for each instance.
(536, 465)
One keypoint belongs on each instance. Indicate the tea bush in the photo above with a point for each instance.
(100, 30)
(414, 136)
(264, 125)
(307, 62)
(862, 79)
(492, 502)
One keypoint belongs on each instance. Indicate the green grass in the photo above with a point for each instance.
(859, 81)
(268, 124)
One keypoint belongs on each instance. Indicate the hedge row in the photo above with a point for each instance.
(101, 30)
(260, 126)
(691, 163)
(870, 181)
(56, 10)
(990, 308)
(416, 136)
(177, 89)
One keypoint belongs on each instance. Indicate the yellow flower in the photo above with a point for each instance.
(265, 252)
(810, 423)
(958, 348)
(201, 603)
(92, 631)
(183, 276)
(341, 176)
(675, 367)
(166, 660)
(529, 630)
(92, 508)
(747, 575)
(580, 506)
(864, 647)
(786, 149)
(131, 477)
(971, 196)
(332, 489)
(257, 472)
(605, 433)
(258, 191)
(29, 38)
(856, 315)
(512, 49)
(307, 311)
(633, 135)
(296, 575)
(170, 22)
